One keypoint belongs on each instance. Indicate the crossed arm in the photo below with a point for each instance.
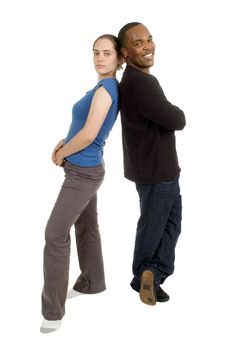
(152, 104)
(100, 106)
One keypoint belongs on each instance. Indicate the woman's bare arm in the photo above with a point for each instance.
(100, 106)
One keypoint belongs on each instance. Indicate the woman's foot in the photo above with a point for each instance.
(73, 293)
(49, 326)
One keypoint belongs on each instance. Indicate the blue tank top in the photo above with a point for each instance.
(92, 155)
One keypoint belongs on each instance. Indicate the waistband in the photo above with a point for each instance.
(84, 169)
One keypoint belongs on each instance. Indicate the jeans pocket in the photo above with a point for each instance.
(168, 182)
(171, 186)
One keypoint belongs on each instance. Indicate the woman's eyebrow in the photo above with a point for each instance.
(95, 50)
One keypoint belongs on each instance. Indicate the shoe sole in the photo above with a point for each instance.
(147, 293)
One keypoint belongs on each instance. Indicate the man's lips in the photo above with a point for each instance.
(148, 56)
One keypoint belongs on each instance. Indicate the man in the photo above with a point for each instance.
(150, 160)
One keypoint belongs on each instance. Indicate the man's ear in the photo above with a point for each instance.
(122, 59)
(124, 52)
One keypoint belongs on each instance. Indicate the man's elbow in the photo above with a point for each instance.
(181, 122)
(181, 125)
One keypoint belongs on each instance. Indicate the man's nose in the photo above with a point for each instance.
(149, 45)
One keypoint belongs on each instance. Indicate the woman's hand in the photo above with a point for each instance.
(59, 157)
(56, 149)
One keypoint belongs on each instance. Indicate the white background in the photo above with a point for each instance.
(46, 65)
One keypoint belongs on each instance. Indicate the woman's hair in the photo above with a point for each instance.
(116, 46)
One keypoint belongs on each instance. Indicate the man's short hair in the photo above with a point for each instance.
(123, 30)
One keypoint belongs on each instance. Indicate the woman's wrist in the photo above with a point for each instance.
(63, 153)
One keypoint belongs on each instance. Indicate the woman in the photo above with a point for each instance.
(81, 155)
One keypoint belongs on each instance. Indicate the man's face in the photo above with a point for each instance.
(139, 48)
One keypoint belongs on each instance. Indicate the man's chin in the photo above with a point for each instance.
(151, 63)
(148, 64)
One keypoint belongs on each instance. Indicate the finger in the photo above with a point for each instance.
(56, 149)
(54, 159)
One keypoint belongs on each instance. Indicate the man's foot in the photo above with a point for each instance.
(73, 293)
(147, 290)
(49, 326)
(162, 296)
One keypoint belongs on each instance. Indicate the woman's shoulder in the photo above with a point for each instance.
(108, 81)
(110, 84)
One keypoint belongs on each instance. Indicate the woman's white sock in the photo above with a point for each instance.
(73, 293)
(49, 326)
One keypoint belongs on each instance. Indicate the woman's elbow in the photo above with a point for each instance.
(89, 137)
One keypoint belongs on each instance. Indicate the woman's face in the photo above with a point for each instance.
(105, 58)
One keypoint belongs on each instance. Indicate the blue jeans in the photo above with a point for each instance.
(158, 229)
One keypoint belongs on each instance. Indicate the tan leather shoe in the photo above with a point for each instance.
(147, 290)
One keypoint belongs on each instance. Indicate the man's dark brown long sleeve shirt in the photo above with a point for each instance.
(148, 124)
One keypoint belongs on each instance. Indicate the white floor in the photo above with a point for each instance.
(47, 64)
